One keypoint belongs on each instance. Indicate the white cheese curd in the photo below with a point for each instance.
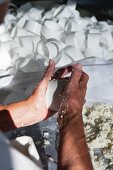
(98, 124)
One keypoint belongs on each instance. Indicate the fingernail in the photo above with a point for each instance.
(79, 66)
(51, 62)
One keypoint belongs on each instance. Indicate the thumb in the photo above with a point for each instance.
(49, 73)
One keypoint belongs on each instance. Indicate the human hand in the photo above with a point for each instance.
(61, 73)
(74, 95)
(37, 100)
(73, 150)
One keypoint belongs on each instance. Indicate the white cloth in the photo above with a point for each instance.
(10, 158)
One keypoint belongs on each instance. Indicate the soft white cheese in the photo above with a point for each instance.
(98, 124)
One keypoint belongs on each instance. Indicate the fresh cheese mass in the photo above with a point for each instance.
(98, 124)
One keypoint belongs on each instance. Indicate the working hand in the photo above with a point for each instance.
(73, 151)
(31, 110)
(37, 100)
(74, 94)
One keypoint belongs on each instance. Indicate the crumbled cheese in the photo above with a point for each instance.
(46, 142)
(98, 124)
(45, 134)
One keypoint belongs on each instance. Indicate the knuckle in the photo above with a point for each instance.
(84, 86)
(75, 69)
(87, 76)
(78, 72)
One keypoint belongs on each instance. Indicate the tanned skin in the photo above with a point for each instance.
(73, 151)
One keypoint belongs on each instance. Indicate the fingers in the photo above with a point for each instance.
(49, 72)
(62, 73)
(84, 80)
(83, 83)
(76, 74)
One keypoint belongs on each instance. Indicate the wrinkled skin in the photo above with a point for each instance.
(73, 151)
(74, 94)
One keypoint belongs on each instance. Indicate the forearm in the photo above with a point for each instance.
(17, 115)
(73, 151)
(30, 111)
